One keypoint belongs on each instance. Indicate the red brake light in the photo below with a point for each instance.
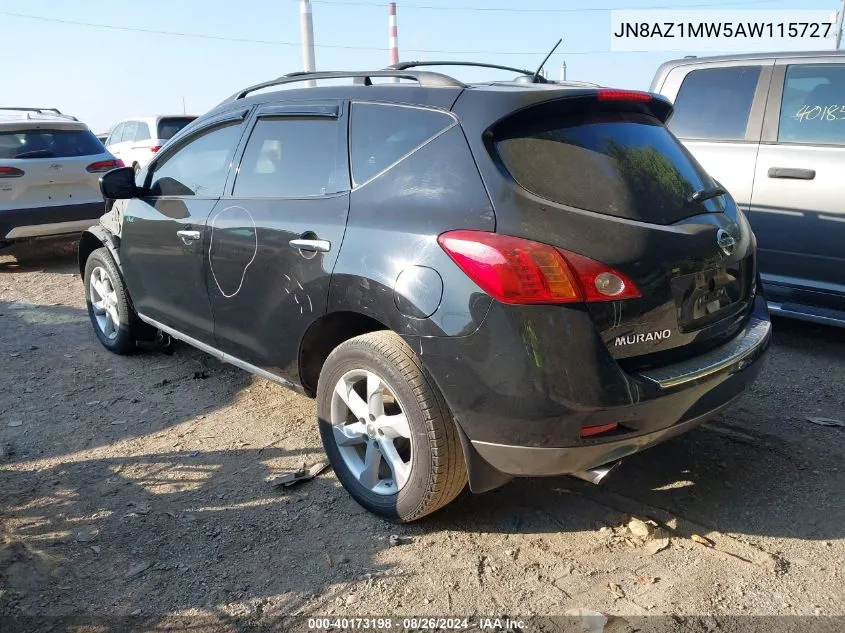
(599, 281)
(155, 148)
(10, 172)
(519, 271)
(598, 429)
(104, 165)
(623, 95)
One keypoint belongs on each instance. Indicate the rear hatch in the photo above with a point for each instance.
(50, 164)
(597, 173)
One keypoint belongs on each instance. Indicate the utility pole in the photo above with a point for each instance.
(839, 15)
(184, 109)
(306, 24)
(393, 33)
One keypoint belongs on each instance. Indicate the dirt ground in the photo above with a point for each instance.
(136, 486)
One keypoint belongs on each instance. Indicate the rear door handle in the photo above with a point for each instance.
(312, 246)
(792, 173)
(188, 235)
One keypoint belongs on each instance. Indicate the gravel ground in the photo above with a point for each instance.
(136, 486)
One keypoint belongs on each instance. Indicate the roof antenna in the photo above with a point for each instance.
(536, 76)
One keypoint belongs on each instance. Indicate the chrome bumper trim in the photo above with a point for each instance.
(734, 352)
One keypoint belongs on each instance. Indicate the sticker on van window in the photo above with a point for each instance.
(820, 113)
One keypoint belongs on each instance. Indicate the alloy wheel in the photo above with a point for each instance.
(372, 432)
(104, 302)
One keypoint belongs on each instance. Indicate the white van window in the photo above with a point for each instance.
(813, 107)
(715, 103)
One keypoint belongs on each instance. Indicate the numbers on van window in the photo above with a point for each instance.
(820, 113)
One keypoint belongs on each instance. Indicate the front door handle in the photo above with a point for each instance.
(188, 235)
(312, 246)
(792, 173)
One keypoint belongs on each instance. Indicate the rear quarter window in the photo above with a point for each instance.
(382, 135)
(46, 143)
(622, 164)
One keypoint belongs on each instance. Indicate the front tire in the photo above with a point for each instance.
(386, 429)
(111, 313)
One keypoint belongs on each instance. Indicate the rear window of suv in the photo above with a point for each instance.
(45, 143)
(171, 126)
(617, 163)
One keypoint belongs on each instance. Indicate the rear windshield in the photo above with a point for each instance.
(49, 144)
(168, 128)
(623, 164)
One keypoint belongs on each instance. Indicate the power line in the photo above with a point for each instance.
(404, 5)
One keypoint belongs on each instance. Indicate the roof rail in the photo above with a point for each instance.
(364, 78)
(521, 71)
(51, 111)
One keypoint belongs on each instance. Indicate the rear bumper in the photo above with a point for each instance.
(16, 224)
(521, 410)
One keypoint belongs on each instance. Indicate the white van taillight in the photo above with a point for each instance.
(155, 148)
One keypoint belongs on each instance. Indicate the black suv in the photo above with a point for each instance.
(476, 282)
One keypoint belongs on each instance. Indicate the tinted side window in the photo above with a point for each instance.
(129, 129)
(143, 133)
(714, 103)
(383, 134)
(293, 158)
(813, 105)
(200, 167)
(170, 126)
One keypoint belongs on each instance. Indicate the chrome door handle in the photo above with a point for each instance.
(312, 246)
(188, 235)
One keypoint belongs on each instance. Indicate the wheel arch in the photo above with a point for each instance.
(92, 239)
(323, 336)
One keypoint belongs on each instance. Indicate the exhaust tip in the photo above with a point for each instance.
(598, 474)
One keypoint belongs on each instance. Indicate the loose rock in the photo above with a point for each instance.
(640, 528)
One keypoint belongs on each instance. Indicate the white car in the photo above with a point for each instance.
(136, 140)
(50, 168)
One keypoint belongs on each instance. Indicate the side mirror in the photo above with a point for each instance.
(119, 184)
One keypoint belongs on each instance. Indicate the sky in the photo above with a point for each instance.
(102, 75)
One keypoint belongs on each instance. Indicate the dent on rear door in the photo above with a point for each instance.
(292, 183)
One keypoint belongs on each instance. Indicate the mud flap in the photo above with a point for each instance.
(482, 476)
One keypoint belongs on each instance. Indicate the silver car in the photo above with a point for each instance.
(771, 129)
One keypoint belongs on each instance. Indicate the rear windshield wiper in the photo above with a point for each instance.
(705, 194)
(37, 153)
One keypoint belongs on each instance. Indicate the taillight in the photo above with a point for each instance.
(10, 172)
(598, 429)
(622, 95)
(104, 165)
(155, 148)
(519, 271)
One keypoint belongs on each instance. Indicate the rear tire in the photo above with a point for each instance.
(391, 386)
(109, 308)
